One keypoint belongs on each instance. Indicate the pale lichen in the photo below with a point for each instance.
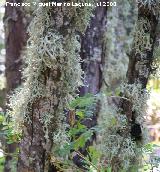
(56, 52)
(114, 139)
(142, 41)
(151, 5)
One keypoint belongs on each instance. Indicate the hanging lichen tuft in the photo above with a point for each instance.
(51, 77)
(122, 116)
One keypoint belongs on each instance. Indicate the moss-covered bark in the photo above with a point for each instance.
(52, 76)
(124, 135)
(139, 70)
(141, 56)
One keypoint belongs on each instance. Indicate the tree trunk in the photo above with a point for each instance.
(118, 140)
(52, 77)
(92, 54)
(92, 51)
(15, 39)
(120, 25)
(141, 56)
(139, 70)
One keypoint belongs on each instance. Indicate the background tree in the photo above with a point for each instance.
(15, 23)
(92, 45)
(127, 130)
(104, 54)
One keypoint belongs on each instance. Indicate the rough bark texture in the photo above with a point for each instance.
(56, 82)
(140, 64)
(139, 70)
(92, 54)
(15, 39)
(33, 147)
(92, 51)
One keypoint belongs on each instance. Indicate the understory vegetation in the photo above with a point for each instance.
(57, 119)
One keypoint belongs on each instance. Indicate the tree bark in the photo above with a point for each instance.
(15, 24)
(139, 70)
(120, 25)
(92, 54)
(57, 76)
(129, 104)
(140, 64)
(15, 39)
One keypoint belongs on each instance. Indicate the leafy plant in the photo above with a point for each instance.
(7, 131)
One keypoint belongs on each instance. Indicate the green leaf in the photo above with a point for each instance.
(113, 121)
(117, 91)
(80, 142)
(148, 147)
(80, 114)
(74, 131)
(109, 169)
(108, 93)
(82, 102)
(2, 118)
(94, 153)
(80, 126)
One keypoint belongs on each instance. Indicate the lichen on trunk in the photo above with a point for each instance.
(52, 76)
(123, 116)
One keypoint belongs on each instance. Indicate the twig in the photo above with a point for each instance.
(86, 160)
